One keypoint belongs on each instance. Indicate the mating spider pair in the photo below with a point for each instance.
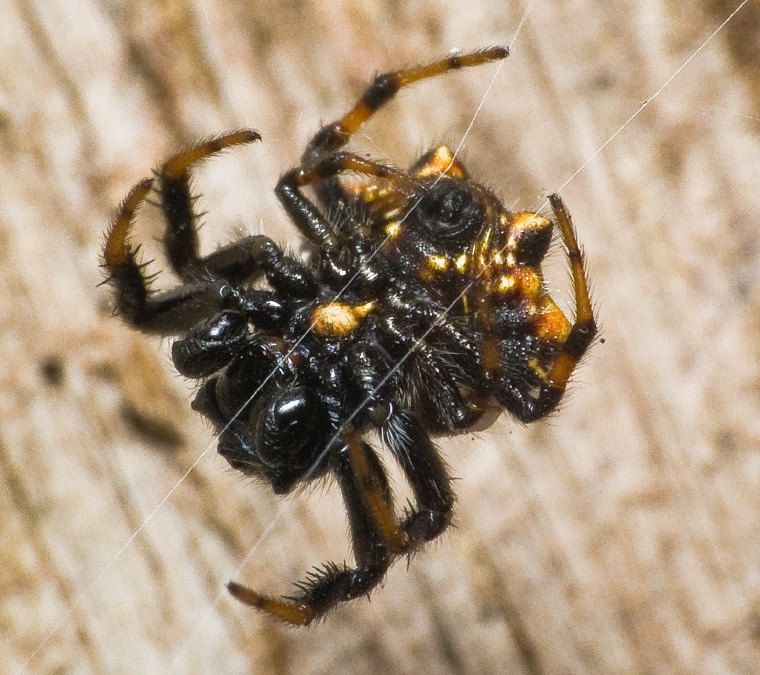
(423, 311)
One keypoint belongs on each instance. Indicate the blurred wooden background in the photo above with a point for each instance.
(622, 535)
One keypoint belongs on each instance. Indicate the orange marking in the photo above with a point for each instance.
(551, 323)
(491, 355)
(355, 117)
(442, 161)
(298, 614)
(117, 250)
(393, 228)
(374, 498)
(561, 371)
(505, 283)
(438, 263)
(480, 251)
(527, 282)
(432, 266)
(583, 311)
(177, 166)
(528, 221)
(338, 319)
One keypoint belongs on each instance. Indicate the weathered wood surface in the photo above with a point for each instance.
(622, 535)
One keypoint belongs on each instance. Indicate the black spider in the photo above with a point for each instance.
(424, 312)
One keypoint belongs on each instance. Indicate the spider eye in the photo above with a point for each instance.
(451, 213)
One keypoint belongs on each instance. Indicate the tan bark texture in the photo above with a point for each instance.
(621, 535)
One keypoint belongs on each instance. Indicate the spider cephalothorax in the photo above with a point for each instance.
(422, 312)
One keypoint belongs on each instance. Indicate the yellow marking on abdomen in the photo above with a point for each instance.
(338, 319)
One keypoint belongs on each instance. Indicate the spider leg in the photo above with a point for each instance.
(179, 309)
(334, 136)
(409, 443)
(528, 406)
(305, 214)
(383, 88)
(181, 235)
(207, 292)
(375, 536)
(584, 327)
(173, 310)
(426, 472)
(234, 262)
(161, 314)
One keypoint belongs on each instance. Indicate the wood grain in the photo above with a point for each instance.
(619, 536)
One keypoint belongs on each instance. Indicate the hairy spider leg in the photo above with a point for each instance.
(181, 308)
(162, 313)
(570, 339)
(376, 534)
(335, 135)
(408, 441)
(306, 216)
(426, 472)
(383, 88)
(375, 539)
(181, 235)
(372, 488)
(584, 327)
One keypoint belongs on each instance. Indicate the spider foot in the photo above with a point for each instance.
(177, 166)
(319, 593)
(288, 611)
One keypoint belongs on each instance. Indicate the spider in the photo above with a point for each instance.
(422, 312)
